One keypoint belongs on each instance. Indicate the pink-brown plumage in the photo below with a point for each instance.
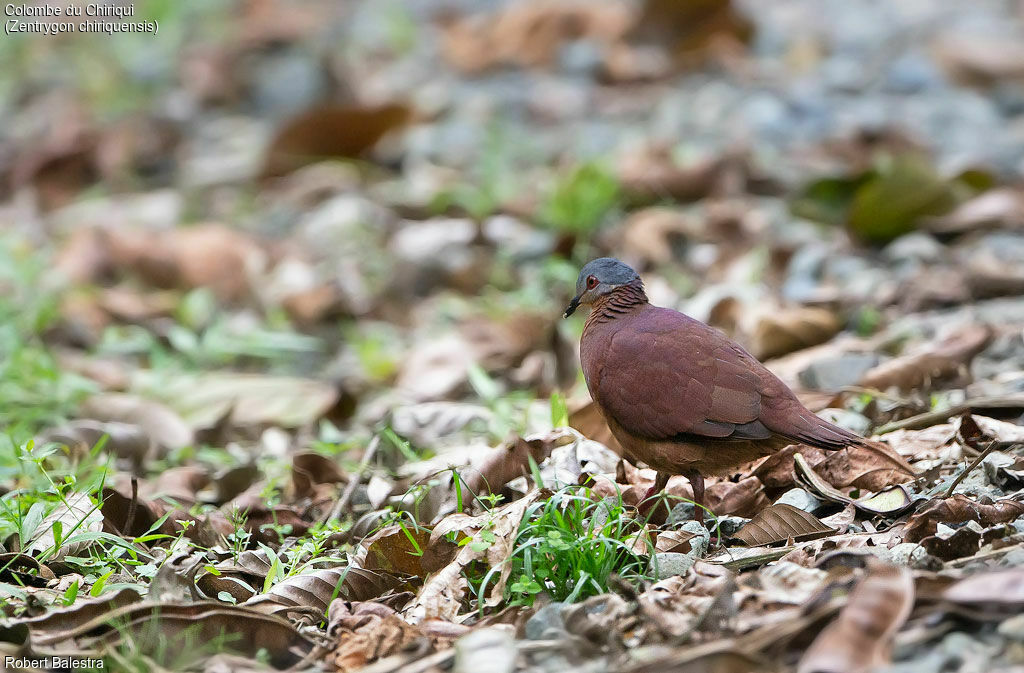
(679, 395)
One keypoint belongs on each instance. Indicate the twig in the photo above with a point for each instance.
(977, 461)
(132, 506)
(354, 480)
(930, 418)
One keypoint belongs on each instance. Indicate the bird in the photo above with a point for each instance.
(681, 396)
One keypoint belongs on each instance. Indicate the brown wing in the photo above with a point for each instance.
(672, 376)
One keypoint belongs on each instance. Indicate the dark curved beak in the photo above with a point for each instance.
(573, 305)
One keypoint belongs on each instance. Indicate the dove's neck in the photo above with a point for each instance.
(618, 302)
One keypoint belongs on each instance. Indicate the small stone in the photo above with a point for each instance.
(801, 499)
(670, 564)
(909, 554)
(487, 649)
(547, 623)
(837, 372)
(680, 513)
(914, 247)
(729, 525)
(1013, 628)
(851, 420)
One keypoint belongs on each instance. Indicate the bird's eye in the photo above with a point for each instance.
(591, 282)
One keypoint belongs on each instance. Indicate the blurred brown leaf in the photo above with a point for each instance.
(931, 363)
(981, 61)
(690, 33)
(860, 638)
(528, 34)
(204, 399)
(587, 419)
(158, 421)
(331, 131)
(787, 330)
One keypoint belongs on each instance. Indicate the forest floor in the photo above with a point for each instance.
(284, 381)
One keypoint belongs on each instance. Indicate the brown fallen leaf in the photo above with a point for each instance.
(157, 420)
(367, 632)
(1001, 208)
(585, 417)
(779, 523)
(248, 630)
(442, 594)
(981, 62)
(691, 32)
(958, 509)
(788, 330)
(860, 638)
(1003, 589)
(331, 131)
(947, 358)
(653, 175)
(204, 399)
(744, 498)
(311, 469)
(528, 34)
(204, 255)
(888, 501)
(650, 236)
(513, 460)
(312, 592)
(398, 549)
(677, 541)
(124, 440)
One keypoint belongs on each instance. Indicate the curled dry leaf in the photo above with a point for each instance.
(398, 549)
(442, 593)
(206, 255)
(1003, 589)
(165, 427)
(367, 632)
(887, 502)
(586, 418)
(74, 516)
(248, 631)
(513, 460)
(529, 34)
(251, 399)
(741, 498)
(779, 523)
(125, 440)
(310, 469)
(860, 638)
(959, 509)
(947, 358)
(329, 132)
(312, 592)
(84, 611)
(650, 236)
(677, 541)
